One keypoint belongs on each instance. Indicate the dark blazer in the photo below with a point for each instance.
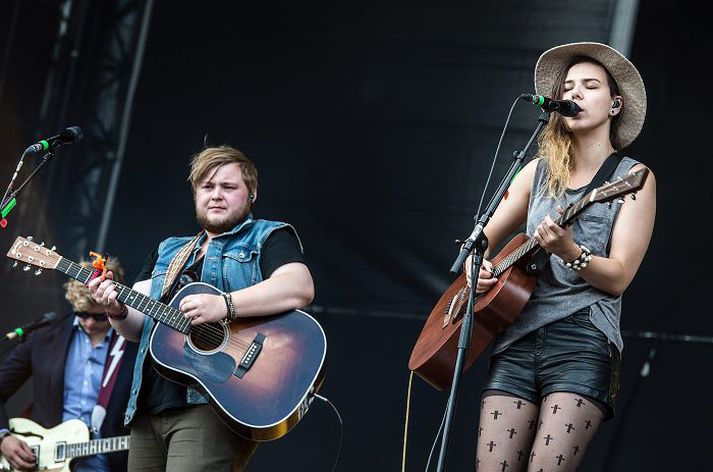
(42, 356)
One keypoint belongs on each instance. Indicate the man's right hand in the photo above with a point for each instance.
(485, 278)
(17, 453)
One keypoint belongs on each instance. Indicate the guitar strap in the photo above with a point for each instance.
(540, 258)
(114, 356)
(177, 264)
(606, 170)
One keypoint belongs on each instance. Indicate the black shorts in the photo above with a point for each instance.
(569, 355)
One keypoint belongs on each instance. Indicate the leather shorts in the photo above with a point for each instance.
(569, 355)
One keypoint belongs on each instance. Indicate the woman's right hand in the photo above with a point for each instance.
(17, 453)
(485, 279)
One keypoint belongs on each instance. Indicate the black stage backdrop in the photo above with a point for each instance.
(373, 128)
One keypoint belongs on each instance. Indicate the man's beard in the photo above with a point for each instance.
(219, 227)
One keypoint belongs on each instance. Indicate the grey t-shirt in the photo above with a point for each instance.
(561, 291)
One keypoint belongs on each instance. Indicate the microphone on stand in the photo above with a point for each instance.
(47, 318)
(68, 136)
(563, 107)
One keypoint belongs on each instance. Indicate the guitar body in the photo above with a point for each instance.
(45, 442)
(259, 374)
(434, 355)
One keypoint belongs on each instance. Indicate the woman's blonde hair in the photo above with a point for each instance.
(555, 141)
(78, 295)
(211, 158)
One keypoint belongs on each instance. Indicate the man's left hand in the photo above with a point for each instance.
(203, 308)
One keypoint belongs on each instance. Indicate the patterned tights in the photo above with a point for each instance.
(516, 435)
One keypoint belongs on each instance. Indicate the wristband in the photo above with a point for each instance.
(232, 314)
(582, 261)
(120, 316)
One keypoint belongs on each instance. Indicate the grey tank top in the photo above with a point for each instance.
(560, 291)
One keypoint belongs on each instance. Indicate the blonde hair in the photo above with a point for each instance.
(78, 295)
(211, 158)
(555, 141)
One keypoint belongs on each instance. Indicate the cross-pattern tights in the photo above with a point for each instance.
(516, 435)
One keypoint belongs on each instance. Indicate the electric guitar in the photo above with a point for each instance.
(434, 354)
(259, 374)
(55, 448)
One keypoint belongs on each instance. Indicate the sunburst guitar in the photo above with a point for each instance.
(259, 374)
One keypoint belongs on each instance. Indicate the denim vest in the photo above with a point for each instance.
(231, 262)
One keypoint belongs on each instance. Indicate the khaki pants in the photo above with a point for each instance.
(186, 440)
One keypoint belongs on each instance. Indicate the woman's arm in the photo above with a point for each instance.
(630, 240)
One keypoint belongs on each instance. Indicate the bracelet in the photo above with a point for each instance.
(232, 314)
(120, 316)
(581, 262)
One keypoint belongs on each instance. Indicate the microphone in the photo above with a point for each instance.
(563, 107)
(47, 318)
(68, 136)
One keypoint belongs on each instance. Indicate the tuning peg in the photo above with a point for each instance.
(609, 205)
(29, 238)
(42, 244)
(26, 268)
(620, 200)
(14, 264)
(38, 271)
(53, 248)
(633, 196)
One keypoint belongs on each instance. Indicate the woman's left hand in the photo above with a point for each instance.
(203, 308)
(557, 240)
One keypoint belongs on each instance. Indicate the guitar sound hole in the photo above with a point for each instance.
(207, 337)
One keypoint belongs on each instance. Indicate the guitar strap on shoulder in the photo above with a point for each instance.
(177, 264)
(605, 172)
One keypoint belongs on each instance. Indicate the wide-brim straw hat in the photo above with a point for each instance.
(628, 79)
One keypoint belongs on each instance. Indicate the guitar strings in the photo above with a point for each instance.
(209, 334)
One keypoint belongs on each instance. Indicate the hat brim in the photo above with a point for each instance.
(627, 77)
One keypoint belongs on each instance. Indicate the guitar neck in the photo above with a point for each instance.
(147, 305)
(525, 248)
(97, 446)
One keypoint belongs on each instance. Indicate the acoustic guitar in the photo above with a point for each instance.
(55, 448)
(259, 374)
(434, 354)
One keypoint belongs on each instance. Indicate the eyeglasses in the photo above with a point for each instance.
(96, 316)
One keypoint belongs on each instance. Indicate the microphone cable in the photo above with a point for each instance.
(435, 441)
(341, 428)
(495, 157)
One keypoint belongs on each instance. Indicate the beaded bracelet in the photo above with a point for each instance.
(232, 314)
(581, 262)
(120, 316)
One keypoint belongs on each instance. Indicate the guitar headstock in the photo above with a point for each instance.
(607, 193)
(623, 186)
(33, 254)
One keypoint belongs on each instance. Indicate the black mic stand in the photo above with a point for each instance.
(478, 242)
(7, 204)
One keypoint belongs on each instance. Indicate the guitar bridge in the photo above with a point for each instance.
(250, 355)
